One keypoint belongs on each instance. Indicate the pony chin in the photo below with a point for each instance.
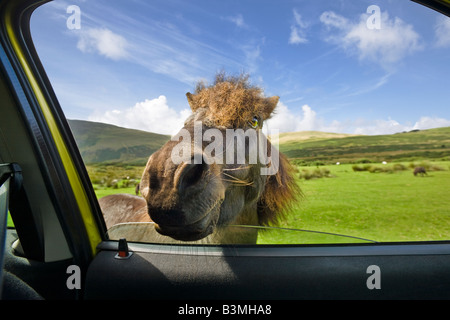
(192, 232)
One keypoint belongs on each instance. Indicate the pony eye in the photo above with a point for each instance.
(254, 123)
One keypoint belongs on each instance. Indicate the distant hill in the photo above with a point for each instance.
(424, 144)
(290, 137)
(109, 144)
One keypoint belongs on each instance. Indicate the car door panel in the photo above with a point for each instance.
(249, 272)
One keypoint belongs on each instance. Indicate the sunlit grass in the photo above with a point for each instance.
(383, 207)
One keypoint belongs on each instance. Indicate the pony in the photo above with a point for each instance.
(420, 170)
(189, 192)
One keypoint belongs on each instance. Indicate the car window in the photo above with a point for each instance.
(179, 109)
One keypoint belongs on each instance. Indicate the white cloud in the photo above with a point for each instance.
(159, 46)
(430, 123)
(285, 120)
(390, 126)
(156, 116)
(309, 120)
(331, 19)
(150, 115)
(376, 127)
(238, 20)
(442, 31)
(386, 46)
(104, 42)
(298, 35)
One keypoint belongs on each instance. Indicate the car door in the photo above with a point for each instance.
(45, 208)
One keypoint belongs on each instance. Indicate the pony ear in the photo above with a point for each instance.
(280, 193)
(190, 99)
(269, 106)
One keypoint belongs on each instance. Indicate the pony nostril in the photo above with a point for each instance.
(153, 181)
(192, 174)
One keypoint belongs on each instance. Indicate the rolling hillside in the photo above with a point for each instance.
(108, 144)
(425, 144)
(294, 137)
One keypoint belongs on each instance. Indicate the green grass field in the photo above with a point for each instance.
(425, 144)
(387, 206)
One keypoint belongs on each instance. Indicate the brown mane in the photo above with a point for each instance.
(231, 101)
(280, 193)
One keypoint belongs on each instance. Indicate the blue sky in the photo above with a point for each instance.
(336, 65)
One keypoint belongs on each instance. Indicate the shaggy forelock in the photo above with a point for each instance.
(231, 101)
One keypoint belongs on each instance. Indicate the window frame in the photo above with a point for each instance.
(53, 144)
(17, 38)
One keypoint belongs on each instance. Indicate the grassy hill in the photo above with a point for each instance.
(109, 144)
(293, 137)
(425, 144)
